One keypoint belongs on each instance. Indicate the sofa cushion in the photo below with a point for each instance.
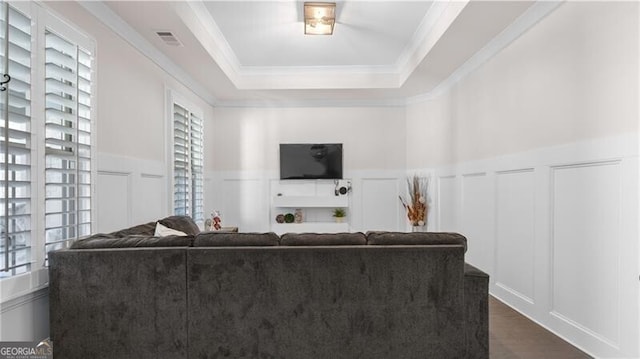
(145, 229)
(322, 239)
(111, 241)
(181, 223)
(402, 238)
(232, 239)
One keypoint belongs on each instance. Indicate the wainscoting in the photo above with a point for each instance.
(129, 191)
(244, 199)
(557, 230)
(25, 318)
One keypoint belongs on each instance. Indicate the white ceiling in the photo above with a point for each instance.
(239, 53)
(267, 33)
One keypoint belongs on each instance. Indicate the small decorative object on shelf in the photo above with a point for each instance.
(342, 187)
(280, 218)
(298, 215)
(289, 218)
(418, 205)
(339, 214)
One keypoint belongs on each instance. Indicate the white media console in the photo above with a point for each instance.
(315, 199)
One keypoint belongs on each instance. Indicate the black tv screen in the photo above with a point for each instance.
(311, 161)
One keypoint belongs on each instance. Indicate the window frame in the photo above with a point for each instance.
(42, 18)
(174, 97)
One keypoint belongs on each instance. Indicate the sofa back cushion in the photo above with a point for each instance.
(112, 241)
(424, 238)
(181, 223)
(322, 239)
(145, 229)
(232, 239)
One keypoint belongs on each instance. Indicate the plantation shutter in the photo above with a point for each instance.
(15, 142)
(181, 154)
(67, 141)
(187, 163)
(197, 164)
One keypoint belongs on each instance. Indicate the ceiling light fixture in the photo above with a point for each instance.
(319, 18)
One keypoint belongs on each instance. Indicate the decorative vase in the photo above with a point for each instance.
(288, 218)
(298, 215)
(418, 226)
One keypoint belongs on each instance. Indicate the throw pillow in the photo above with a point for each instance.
(162, 231)
(181, 223)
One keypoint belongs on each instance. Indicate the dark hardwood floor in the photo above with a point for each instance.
(513, 336)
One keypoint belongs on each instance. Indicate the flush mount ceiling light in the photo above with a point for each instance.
(319, 18)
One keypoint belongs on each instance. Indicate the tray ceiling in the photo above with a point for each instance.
(255, 52)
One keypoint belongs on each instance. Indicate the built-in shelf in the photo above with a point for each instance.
(315, 199)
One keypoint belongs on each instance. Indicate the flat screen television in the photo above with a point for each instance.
(311, 161)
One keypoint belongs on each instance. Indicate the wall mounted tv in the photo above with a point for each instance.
(310, 161)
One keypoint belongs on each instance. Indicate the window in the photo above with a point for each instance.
(15, 143)
(45, 139)
(188, 175)
(67, 141)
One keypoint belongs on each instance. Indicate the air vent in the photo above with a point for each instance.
(169, 38)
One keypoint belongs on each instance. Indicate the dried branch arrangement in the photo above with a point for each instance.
(417, 207)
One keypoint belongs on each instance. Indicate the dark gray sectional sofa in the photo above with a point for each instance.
(257, 295)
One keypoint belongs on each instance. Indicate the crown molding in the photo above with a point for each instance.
(536, 13)
(130, 35)
(304, 78)
(196, 17)
(438, 19)
(441, 14)
(310, 103)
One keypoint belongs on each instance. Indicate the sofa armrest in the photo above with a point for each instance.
(476, 302)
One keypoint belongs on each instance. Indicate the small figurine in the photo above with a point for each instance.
(217, 220)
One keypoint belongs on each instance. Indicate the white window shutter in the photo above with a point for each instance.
(15, 143)
(197, 172)
(188, 177)
(67, 141)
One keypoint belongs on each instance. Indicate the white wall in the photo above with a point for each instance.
(245, 157)
(571, 77)
(540, 172)
(131, 91)
(25, 318)
(248, 138)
